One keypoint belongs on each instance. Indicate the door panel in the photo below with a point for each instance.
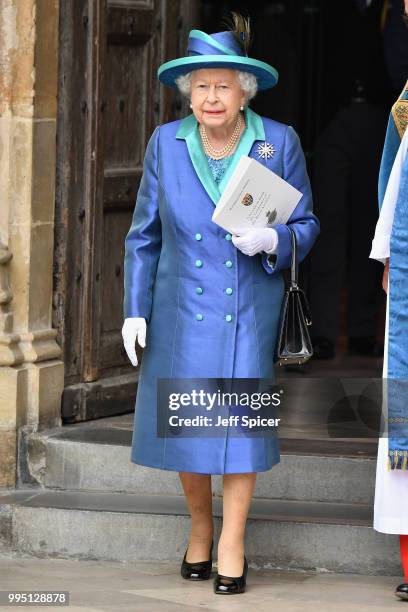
(109, 103)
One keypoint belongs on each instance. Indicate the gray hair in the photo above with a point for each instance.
(248, 83)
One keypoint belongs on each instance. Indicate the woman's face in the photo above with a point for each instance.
(216, 96)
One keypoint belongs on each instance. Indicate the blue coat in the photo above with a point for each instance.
(179, 264)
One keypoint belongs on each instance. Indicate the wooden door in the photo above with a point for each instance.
(109, 103)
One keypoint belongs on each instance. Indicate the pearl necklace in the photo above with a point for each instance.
(219, 153)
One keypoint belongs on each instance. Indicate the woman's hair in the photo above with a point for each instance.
(247, 81)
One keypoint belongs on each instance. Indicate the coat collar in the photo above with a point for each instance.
(188, 130)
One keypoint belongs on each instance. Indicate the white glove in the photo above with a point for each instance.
(256, 239)
(133, 327)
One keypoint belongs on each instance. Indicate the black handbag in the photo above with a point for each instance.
(294, 343)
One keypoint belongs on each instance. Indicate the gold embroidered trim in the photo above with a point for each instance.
(400, 112)
(394, 457)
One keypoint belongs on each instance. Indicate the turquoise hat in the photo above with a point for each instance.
(219, 50)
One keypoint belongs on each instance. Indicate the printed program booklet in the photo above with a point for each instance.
(255, 197)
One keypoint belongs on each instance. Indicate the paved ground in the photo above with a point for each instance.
(105, 586)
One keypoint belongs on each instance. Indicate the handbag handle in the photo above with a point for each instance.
(294, 278)
(294, 263)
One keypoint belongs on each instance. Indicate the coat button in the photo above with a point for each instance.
(198, 236)
(199, 290)
(227, 236)
(198, 263)
(228, 317)
(199, 317)
(228, 263)
(228, 291)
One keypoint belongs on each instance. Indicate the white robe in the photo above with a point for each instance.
(391, 487)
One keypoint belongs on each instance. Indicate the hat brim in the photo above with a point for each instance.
(266, 75)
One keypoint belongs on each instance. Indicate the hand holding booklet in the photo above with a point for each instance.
(255, 197)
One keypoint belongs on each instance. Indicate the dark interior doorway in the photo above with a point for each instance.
(334, 59)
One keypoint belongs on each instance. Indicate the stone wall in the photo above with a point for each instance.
(31, 370)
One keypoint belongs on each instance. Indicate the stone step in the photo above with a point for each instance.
(128, 527)
(95, 458)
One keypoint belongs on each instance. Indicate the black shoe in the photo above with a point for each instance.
(231, 585)
(199, 570)
(323, 348)
(402, 591)
(365, 347)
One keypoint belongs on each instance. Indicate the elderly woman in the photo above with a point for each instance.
(209, 301)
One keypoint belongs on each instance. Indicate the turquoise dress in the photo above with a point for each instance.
(218, 167)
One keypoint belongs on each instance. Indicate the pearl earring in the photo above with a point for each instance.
(241, 108)
(191, 106)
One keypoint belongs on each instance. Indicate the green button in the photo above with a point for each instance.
(227, 236)
(198, 263)
(228, 263)
(198, 236)
(228, 317)
(199, 290)
(228, 291)
(199, 317)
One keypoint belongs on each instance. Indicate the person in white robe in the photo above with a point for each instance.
(391, 489)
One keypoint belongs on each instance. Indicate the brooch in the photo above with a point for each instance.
(265, 150)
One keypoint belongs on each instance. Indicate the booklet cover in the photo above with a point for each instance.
(255, 197)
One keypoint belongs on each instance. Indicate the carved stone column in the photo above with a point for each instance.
(31, 371)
